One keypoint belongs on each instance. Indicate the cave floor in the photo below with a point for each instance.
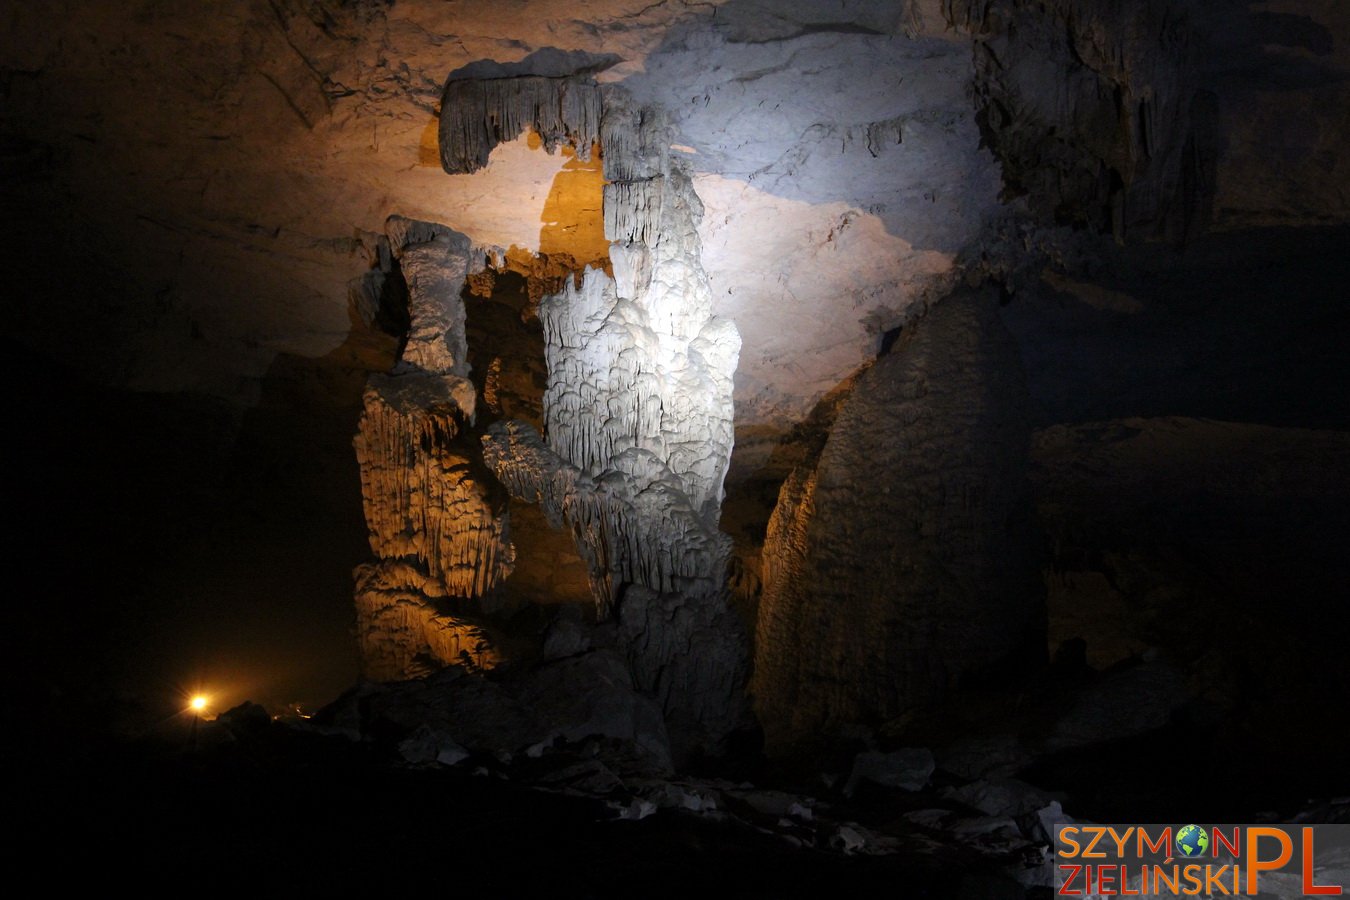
(326, 816)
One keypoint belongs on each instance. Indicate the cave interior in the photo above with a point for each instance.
(768, 447)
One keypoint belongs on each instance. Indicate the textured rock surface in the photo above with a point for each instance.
(1094, 112)
(439, 527)
(227, 154)
(558, 702)
(631, 528)
(898, 565)
(196, 186)
(638, 425)
(479, 113)
(421, 497)
(399, 632)
(908, 769)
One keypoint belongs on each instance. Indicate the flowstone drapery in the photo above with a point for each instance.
(638, 434)
(479, 113)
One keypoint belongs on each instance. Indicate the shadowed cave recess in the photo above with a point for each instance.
(780, 447)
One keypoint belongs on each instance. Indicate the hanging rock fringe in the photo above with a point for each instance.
(479, 114)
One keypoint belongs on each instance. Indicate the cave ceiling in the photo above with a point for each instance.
(221, 167)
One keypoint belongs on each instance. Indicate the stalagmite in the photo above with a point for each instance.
(422, 499)
(435, 517)
(638, 425)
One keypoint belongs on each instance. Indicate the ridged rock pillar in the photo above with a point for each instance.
(638, 435)
(438, 524)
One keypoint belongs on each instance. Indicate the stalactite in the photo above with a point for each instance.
(632, 527)
(477, 114)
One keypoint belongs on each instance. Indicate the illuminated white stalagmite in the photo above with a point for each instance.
(638, 421)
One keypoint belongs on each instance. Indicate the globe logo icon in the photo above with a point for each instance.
(1192, 840)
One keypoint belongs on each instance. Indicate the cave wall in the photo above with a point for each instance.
(1095, 114)
(241, 153)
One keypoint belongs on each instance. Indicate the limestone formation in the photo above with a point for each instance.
(479, 113)
(401, 635)
(631, 526)
(637, 159)
(544, 273)
(436, 519)
(637, 417)
(901, 563)
(638, 434)
(434, 273)
(1094, 111)
(421, 496)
